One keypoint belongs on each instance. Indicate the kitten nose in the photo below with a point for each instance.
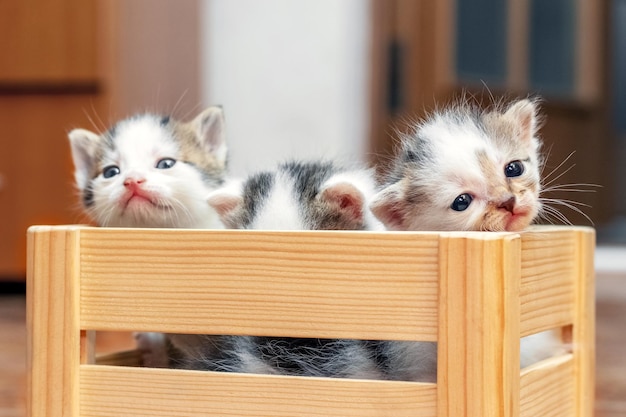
(133, 182)
(508, 205)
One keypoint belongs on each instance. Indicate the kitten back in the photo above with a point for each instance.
(316, 195)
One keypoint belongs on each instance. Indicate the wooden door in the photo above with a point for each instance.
(48, 84)
(416, 66)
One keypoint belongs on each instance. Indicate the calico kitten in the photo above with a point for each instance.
(466, 169)
(299, 196)
(151, 171)
(296, 196)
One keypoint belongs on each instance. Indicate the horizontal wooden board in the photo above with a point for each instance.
(301, 284)
(547, 388)
(549, 268)
(132, 392)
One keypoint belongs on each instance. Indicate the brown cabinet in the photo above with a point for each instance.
(47, 42)
(48, 84)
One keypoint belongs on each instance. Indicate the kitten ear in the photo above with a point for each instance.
(389, 206)
(523, 114)
(344, 198)
(85, 145)
(210, 130)
(226, 201)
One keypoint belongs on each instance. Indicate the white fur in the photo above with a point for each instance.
(280, 211)
(450, 142)
(179, 192)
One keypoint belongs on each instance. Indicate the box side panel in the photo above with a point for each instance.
(133, 392)
(547, 388)
(548, 282)
(338, 285)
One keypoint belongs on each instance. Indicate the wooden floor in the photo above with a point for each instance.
(611, 350)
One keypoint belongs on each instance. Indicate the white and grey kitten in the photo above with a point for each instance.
(301, 196)
(468, 169)
(152, 171)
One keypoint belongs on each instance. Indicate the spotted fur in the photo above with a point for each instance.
(464, 150)
(151, 171)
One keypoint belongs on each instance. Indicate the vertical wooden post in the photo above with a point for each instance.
(583, 334)
(53, 347)
(479, 325)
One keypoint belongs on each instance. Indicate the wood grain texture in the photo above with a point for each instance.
(113, 391)
(478, 348)
(301, 284)
(547, 388)
(547, 293)
(584, 330)
(53, 353)
(463, 290)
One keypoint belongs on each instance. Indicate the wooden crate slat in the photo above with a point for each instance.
(479, 345)
(547, 293)
(52, 319)
(113, 391)
(275, 284)
(547, 388)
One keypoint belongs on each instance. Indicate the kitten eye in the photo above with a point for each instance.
(462, 202)
(165, 163)
(110, 171)
(514, 169)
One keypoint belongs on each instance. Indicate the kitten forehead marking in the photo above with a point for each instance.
(132, 144)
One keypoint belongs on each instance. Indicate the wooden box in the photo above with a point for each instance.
(474, 293)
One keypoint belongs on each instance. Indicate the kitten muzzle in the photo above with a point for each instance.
(508, 205)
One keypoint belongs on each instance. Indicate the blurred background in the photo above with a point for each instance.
(303, 79)
(315, 78)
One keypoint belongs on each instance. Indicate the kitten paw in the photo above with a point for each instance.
(153, 349)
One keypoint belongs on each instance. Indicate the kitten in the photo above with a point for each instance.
(299, 196)
(152, 171)
(466, 169)
(296, 196)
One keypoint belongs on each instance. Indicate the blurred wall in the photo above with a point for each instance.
(292, 77)
(152, 60)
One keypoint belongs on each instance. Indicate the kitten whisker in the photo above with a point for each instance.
(554, 213)
(547, 176)
(553, 180)
(567, 188)
(91, 120)
(562, 200)
(572, 205)
(180, 99)
(546, 157)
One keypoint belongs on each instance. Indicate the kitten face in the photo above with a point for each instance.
(149, 171)
(299, 196)
(466, 170)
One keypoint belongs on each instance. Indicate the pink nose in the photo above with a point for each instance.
(133, 183)
(508, 205)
